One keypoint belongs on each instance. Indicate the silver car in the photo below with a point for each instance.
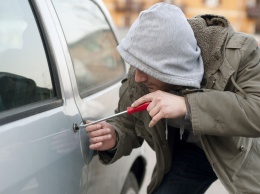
(58, 67)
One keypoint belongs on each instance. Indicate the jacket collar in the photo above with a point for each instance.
(211, 32)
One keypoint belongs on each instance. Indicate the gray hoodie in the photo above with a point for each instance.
(162, 44)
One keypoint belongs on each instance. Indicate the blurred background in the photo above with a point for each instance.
(244, 15)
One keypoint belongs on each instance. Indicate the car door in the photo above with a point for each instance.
(95, 66)
(39, 151)
(96, 70)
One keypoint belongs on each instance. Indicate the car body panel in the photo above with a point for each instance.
(39, 151)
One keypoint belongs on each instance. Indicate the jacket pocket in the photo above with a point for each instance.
(247, 178)
(252, 164)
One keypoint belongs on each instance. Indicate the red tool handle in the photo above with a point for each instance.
(131, 110)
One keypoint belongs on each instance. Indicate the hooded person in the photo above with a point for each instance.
(162, 44)
(202, 81)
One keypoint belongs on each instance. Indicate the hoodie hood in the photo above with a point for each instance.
(161, 43)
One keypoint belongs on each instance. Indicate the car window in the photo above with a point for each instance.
(24, 70)
(91, 44)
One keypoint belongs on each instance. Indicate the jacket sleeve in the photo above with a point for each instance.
(125, 127)
(230, 113)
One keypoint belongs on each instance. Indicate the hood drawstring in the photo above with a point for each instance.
(166, 129)
(182, 122)
(182, 128)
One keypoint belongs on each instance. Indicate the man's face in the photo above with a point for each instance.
(151, 83)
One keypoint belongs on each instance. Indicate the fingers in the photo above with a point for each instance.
(148, 98)
(143, 99)
(162, 105)
(100, 132)
(93, 127)
(96, 146)
(97, 133)
(155, 108)
(154, 112)
(98, 139)
(101, 136)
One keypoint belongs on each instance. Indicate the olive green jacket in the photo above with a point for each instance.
(225, 113)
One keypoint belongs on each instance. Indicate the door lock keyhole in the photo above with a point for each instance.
(75, 127)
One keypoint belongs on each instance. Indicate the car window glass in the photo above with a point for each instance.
(24, 70)
(91, 44)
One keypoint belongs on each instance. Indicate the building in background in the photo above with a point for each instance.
(243, 14)
(238, 12)
(124, 12)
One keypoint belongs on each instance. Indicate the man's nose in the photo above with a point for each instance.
(140, 76)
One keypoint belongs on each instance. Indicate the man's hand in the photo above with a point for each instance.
(102, 136)
(163, 105)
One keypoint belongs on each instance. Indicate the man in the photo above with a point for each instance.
(202, 80)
